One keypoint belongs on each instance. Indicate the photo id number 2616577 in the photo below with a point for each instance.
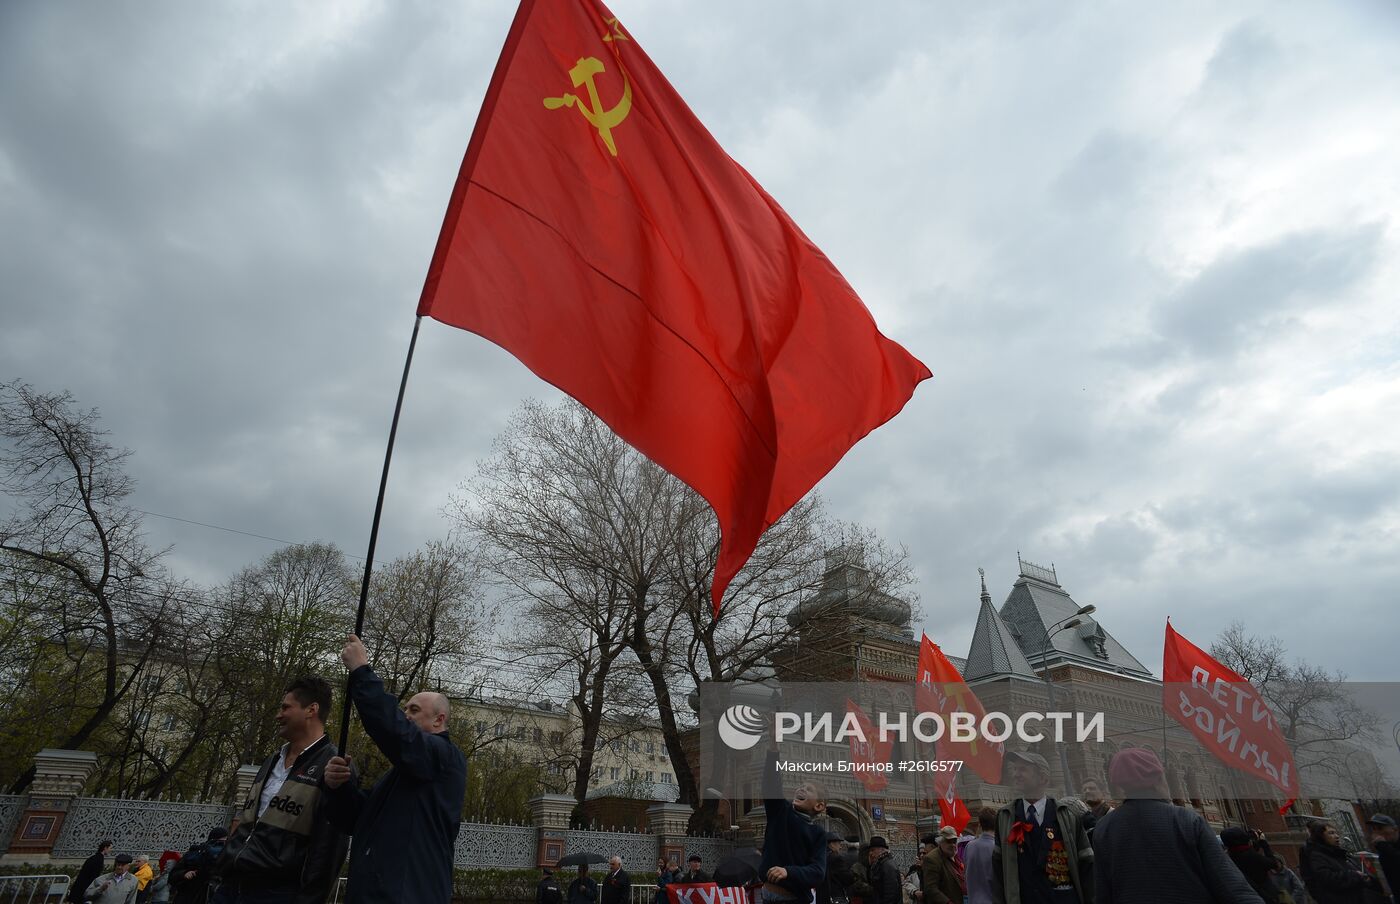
(930, 765)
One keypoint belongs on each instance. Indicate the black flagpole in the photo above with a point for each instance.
(374, 528)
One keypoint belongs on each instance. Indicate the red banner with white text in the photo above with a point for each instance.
(706, 893)
(1226, 714)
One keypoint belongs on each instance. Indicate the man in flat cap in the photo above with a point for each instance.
(116, 887)
(1042, 853)
(1148, 849)
(1385, 842)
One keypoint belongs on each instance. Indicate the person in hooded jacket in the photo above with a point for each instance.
(1331, 874)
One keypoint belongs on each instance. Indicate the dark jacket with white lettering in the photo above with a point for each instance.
(292, 844)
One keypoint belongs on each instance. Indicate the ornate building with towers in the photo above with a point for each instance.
(1039, 650)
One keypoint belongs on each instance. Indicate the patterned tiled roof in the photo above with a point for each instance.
(1036, 604)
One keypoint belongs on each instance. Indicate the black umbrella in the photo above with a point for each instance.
(580, 858)
(738, 869)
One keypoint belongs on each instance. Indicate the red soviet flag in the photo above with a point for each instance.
(1226, 714)
(599, 233)
(939, 688)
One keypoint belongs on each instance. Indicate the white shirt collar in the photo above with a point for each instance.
(1039, 808)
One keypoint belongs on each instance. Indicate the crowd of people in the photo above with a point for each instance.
(1078, 850)
(306, 812)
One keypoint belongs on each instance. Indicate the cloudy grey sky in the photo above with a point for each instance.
(1147, 251)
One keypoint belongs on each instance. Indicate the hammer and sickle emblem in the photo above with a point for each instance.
(604, 121)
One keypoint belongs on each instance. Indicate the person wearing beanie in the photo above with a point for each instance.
(1242, 850)
(1148, 849)
(1042, 853)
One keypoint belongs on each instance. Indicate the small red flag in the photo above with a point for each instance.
(940, 688)
(1226, 714)
(951, 809)
(602, 236)
(869, 750)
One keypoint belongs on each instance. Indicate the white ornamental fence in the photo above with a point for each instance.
(137, 826)
(11, 806)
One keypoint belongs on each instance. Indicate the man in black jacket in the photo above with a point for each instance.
(884, 875)
(547, 891)
(617, 884)
(693, 874)
(403, 829)
(92, 868)
(1385, 842)
(836, 888)
(190, 877)
(284, 850)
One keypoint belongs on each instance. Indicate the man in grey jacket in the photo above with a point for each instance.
(1149, 849)
(116, 887)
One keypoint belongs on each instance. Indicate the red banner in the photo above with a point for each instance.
(940, 688)
(872, 752)
(1226, 714)
(706, 893)
(951, 807)
(602, 236)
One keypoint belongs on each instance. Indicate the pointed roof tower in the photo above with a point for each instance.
(994, 652)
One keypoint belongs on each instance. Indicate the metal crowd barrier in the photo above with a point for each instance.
(33, 889)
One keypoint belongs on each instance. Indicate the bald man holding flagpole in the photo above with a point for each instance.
(403, 829)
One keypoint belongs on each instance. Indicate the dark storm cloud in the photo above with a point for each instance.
(1243, 297)
(1143, 252)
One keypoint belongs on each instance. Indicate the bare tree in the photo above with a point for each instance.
(601, 547)
(292, 611)
(544, 506)
(73, 535)
(425, 613)
(1316, 712)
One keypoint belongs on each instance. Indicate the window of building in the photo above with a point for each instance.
(616, 773)
(169, 723)
(143, 721)
(651, 776)
(633, 774)
(651, 747)
(635, 746)
(616, 746)
(539, 735)
(556, 737)
(481, 728)
(500, 729)
(520, 732)
(667, 779)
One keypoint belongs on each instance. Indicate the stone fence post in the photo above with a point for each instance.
(550, 813)
(59, 777)
(669, 822)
